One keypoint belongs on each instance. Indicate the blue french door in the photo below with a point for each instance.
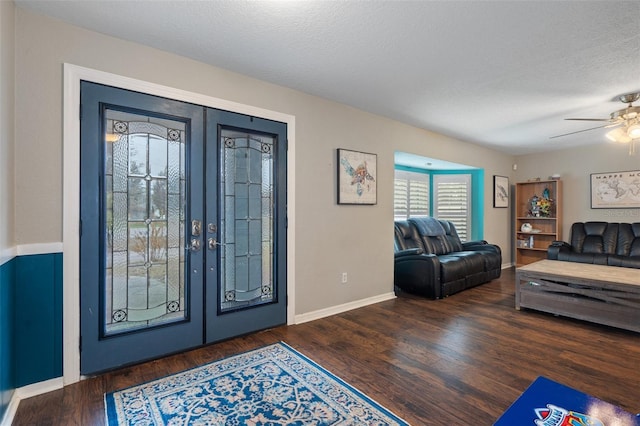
(183, 226)
(245, 210)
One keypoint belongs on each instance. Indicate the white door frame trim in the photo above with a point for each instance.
(73, 74)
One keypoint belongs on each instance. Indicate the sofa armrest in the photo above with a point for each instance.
(470, 245)
(557, 247)
(408, 252)
(486, 247)
(418, 273)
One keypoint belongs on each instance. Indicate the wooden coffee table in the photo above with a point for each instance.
(607, 295)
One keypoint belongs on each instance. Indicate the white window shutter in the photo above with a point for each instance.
(411, 195)
(400, 199)
(452, 201)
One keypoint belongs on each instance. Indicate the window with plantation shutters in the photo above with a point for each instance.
(411, 195)
(452, 201)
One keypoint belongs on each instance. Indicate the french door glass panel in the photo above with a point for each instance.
(144, 230)
(246, 219)
(246, 281)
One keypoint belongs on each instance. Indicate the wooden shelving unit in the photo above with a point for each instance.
(532, 246)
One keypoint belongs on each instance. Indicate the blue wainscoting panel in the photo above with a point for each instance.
(7, 379)
(38, 318)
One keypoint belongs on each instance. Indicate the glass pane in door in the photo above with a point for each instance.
(144, 207)
(246, 220)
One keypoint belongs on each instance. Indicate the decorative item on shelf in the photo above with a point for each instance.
(541, 207)
(526, 227)
(526, 242)
(535, 207)
(545, 207)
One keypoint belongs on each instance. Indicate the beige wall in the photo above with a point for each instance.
(330, 239)
(7, 225)
(575, 167)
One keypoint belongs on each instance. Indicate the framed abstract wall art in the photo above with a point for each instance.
(357, 174)
(500, 191)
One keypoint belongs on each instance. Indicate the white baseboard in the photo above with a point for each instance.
(27, 392)
(12, 408)
(39, 388)
(507, 265)
(333, 310)
(7, 254)
(40, 248)
(28, 249)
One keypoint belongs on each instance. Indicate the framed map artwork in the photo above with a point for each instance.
(357, 174)
(615, 190)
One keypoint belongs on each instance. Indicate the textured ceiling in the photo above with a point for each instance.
(503, 74)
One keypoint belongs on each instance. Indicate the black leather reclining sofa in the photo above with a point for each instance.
(601, 243)
(430, 259)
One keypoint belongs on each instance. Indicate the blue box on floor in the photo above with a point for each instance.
(548, 403)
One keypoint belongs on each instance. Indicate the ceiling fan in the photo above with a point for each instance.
(626, 122)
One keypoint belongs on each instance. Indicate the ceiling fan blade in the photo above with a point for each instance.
(589, 119)
(583, 130)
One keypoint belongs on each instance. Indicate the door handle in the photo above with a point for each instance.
(195, 244)
(212, 243)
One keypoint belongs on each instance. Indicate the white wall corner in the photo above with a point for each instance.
(27, 392)
(12, 408)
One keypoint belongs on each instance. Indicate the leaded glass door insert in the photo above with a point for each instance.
(245, 210)
(183, 235)
(246, 220)
(144, 230)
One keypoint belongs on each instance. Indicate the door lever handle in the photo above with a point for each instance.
(212, 243)
(195, 244)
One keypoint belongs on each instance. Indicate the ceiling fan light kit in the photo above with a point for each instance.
(627, 134)
(626, 121)
(634, 130)
(618, 135)
(629, 118)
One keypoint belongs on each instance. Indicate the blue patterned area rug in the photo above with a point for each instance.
(273, 385)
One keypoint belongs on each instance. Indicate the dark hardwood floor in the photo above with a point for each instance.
(457, 361)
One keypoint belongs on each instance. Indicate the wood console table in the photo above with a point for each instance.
(607, 295)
